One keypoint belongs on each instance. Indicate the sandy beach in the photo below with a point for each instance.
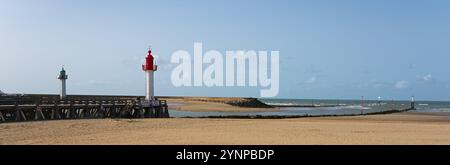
(400, 128)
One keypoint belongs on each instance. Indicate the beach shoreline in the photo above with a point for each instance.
(399, 128)
(393, 128)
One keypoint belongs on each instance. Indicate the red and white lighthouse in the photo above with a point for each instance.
(149, 67)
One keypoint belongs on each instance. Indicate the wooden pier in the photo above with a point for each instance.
(51, 107)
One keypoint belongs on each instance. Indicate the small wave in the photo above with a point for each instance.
(423, 104)
(356, 107)
(376, 104)
(282, 104)
(434, 110)
(444, 109)
(372, 104)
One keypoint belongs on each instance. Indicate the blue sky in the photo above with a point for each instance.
(328, 48)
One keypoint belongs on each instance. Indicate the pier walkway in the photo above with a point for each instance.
(31, 107)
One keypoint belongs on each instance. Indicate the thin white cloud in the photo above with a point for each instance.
(401, 84)
(412, 66)
(374, 83)
(312, 70)
(311, 80)
(97, 82)
(139, 60)
(163, 63)
(309, 83)
(427, 77)
(133, 61)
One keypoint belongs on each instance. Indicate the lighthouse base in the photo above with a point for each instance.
(155, 109)
(156, 113)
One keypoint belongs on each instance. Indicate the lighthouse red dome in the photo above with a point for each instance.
(149, 62)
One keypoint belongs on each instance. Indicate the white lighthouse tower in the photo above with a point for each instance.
(149, 67)
(63, 77)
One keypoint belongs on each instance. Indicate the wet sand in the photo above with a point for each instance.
(400, 128)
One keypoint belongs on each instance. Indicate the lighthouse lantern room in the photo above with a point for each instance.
(63, 77)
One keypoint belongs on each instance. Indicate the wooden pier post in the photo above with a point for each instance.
(19, 113)
(140, 109)
(71, 114)
(55, 111)
(38, 114)
(100, 111)
(166, 112)
(2, 118)
(113, 109)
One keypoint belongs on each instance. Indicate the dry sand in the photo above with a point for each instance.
(402, 128)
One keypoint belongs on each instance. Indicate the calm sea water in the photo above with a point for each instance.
(327, 107)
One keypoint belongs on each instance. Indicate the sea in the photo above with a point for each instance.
(326, 107)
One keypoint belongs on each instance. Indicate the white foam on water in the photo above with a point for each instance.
(444, 109)
(356, 107)
(282, 104)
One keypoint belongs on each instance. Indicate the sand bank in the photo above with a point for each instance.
(199, 104)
